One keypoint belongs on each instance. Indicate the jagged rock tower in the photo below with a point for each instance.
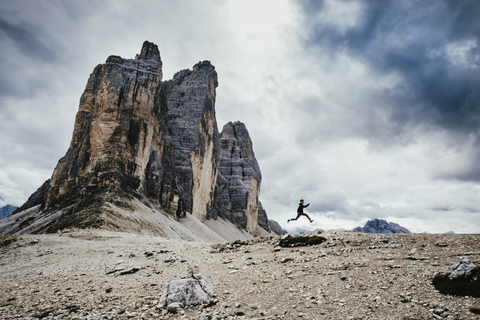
(239, 178)
(119, 134)
(147, 154)
(190, 97)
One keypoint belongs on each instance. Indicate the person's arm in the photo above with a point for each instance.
(306, 205)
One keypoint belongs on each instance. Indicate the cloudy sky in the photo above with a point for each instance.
(366, 109)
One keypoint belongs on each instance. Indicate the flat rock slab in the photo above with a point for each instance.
(189, 291)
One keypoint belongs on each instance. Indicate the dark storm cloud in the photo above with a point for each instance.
(413, 39)
(27, 38)
(25, 47)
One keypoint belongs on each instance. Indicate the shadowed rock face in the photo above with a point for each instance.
(194, 136)
(239, 179)
(136, 136)
(276, 228)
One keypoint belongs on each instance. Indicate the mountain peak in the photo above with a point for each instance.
(149, 51)
(381, 226)
(6, 211)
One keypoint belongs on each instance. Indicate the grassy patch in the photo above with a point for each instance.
(84, 214)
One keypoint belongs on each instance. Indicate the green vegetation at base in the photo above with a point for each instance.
(295, 241)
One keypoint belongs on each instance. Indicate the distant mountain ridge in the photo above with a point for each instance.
(381, 226)
(6, 211)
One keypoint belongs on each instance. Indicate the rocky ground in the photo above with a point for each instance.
(93, 274)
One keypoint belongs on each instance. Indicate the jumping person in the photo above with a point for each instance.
(300, 212)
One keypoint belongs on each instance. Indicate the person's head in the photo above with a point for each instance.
(301, 200)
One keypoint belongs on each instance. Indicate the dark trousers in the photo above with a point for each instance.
(301, 214)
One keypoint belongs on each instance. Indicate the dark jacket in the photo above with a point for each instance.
(301, 206)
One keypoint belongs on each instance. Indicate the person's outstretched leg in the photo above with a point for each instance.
(306, 215)
(298, 215)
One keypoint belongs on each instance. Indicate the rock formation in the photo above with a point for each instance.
(269, 225)
(239, 179)
(190, 97)
(301, 240)
(144, 148)
(381, 226)
(276, 228)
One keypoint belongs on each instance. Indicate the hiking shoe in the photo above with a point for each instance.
(288, 220)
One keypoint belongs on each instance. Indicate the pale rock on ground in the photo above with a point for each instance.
(94, 274)
(464, 268)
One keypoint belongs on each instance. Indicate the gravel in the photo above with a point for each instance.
(95, 274)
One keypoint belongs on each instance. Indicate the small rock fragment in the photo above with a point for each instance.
(174, 307)
(172, 259)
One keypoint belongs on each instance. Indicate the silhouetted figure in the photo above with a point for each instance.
(300, 212)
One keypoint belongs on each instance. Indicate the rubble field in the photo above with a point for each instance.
(96, 274)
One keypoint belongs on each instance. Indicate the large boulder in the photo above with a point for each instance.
(463, 279)
(465, 270)
(187, 292)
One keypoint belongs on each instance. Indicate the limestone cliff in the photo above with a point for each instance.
(191, 119)
(239, 179)
(147, 152)
(119, 135)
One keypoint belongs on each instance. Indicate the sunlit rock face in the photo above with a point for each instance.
(137, 137)
(119, 141)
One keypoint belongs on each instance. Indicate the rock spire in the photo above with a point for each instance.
(144, 150)
(239, 178)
